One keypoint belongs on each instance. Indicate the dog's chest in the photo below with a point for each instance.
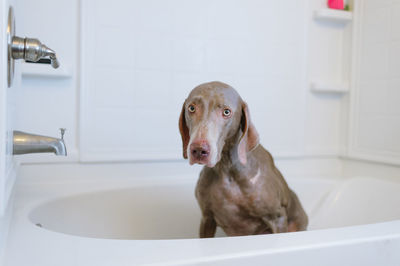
(235, 206)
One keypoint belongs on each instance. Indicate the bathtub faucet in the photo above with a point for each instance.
(24, 143)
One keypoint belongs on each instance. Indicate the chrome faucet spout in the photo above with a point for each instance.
(59, 147)
(29, 143)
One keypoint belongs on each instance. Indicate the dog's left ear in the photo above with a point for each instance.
(184, 131)
(249, 139)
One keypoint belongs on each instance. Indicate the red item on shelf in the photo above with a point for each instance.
(336, 4)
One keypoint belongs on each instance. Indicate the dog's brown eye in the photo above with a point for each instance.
(227, 112)
(191, 108)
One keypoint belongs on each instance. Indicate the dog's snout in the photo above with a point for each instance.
(200, 151)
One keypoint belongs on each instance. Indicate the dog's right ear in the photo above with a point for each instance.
(184, 131)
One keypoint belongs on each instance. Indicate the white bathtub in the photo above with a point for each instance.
(119, 215)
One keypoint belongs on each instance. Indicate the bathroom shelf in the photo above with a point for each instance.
(333, 15)
(325, 87)
(44, 70)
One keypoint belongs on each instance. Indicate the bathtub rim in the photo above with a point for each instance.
(49, 246)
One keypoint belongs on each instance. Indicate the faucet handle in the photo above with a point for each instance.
(62, 130)
(54, 62)
(46, 51)
(32, 50)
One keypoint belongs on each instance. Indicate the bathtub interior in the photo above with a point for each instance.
(170, 211)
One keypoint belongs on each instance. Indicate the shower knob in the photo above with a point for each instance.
(29, 49)
(33, 50)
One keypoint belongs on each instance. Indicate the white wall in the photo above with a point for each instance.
(132, 100)
(375, 124)
(47, 103)
(268, 50)
(168, 47)
(328, 62)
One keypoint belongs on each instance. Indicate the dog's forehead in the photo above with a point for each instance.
(218, 92)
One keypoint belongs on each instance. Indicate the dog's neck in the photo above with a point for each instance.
(230, 165)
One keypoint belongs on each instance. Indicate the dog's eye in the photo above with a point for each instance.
(191, 108)
(227, 112)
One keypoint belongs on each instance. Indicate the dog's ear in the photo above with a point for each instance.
(249, 139)
(184, 131)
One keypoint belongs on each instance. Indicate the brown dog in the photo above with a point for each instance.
(239, 188)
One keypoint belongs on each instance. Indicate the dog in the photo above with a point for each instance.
(239, 188)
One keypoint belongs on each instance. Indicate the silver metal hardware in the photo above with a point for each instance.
(32, 50)
(29, 49)
(29, 143)
(10, 34)
(62, 131)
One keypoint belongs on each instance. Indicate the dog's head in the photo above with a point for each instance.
(213, 117)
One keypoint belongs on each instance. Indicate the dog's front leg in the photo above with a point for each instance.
(277, 223)
(208, 227)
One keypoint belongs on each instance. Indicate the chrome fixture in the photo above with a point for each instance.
(29, 143)
(29, 49)
(32, 50)
(10, 34)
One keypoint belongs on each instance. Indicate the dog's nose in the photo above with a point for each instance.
(200, 151)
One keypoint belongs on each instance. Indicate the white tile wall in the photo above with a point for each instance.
(376, 117)
(267, 49)
(329, 45)
(138, 71)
